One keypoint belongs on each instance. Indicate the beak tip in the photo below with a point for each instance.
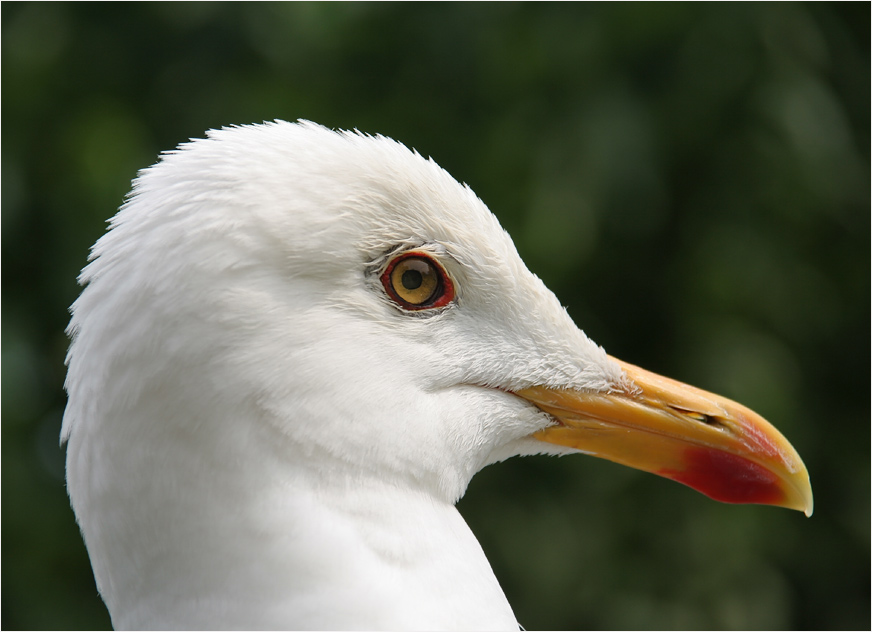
(808, 510)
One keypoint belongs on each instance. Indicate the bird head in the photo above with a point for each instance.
(350, 301)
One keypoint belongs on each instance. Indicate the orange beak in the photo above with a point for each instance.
(659, 425)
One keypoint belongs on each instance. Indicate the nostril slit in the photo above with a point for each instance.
(708, 420)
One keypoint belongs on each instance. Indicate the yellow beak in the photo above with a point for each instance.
(659, 425)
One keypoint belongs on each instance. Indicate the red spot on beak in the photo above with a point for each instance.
(727, 477)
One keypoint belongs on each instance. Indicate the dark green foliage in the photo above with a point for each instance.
(692, 180)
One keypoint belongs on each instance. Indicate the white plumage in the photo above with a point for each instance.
(260, 435)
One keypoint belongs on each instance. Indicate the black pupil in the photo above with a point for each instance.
(412, 279)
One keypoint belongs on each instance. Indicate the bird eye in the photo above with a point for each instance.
(415, 281)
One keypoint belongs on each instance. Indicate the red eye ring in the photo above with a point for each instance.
(416, 281)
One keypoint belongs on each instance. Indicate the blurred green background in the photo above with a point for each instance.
(691, 180)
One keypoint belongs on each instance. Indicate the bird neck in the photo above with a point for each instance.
(227, 540)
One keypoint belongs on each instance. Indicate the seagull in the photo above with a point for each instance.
(294, 349)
